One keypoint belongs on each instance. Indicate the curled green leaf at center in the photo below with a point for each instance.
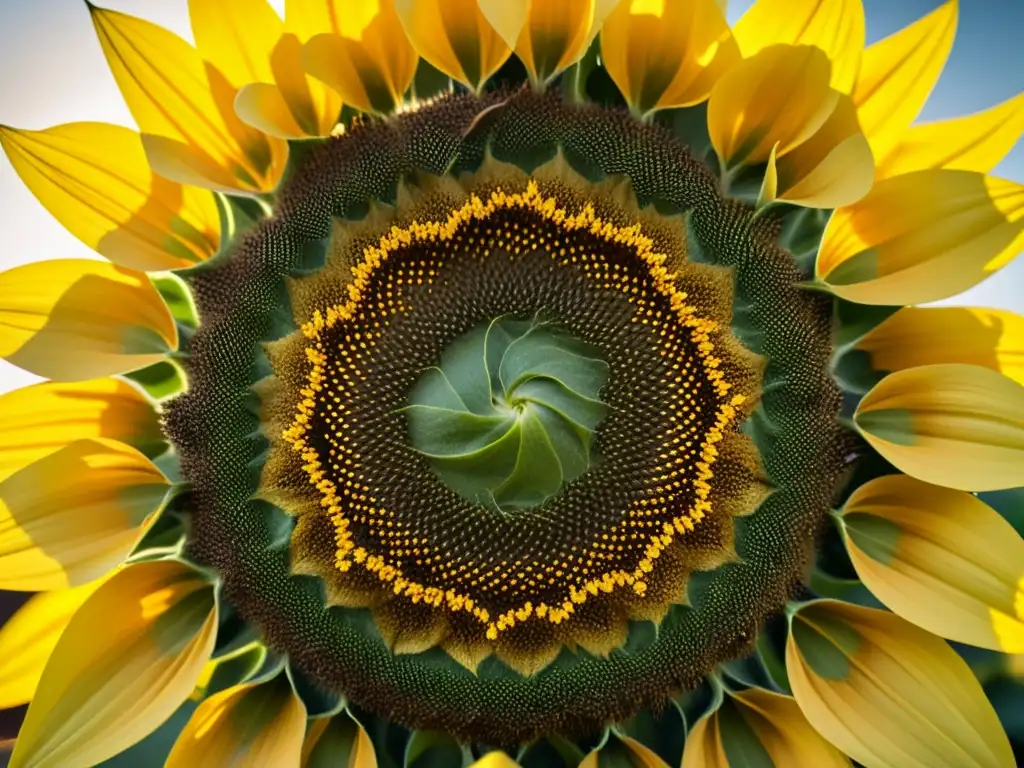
(508, 415)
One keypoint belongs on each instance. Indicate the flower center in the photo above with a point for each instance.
(507, 417)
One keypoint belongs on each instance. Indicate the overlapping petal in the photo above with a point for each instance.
(898, 73)
(757, 725)
(888, 693)
(971, 143)
(338, 740)
(779, 98)
(59, 534)
(365, 57)
(834, 26)
(959, 426)
(261, 56)
(252, 724)
(95, 180)
(916, 336)
(667, 53)
(29, 636)
(455, 37)
(76, 319)
(834, 167)
(102, 691)
(921, 237)
(940, 558)
(184, 107)
(35, 421)
(548, 37)
(622, 751)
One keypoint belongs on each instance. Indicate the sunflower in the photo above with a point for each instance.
(507, 382)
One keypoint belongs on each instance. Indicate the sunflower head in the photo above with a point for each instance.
(519, 383)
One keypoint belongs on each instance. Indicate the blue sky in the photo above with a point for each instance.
(52, 71)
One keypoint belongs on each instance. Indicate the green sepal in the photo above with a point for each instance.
(662, 731)
(154, 749)
(177, 297)
(236, 668)
(1007, 698)
(574, 79)
(434, 749)
(429, 82)
(165, 534)
(1009, 504)
(771, 649)
(336, 744)
(828, 646)
(700, 702)
(851, 367)
(319, 702)
(748, 672)
(161, 381)
(552, 751)
(847, 590)
(690, 125)
(742, 747)
(233, 632)
(239, 214)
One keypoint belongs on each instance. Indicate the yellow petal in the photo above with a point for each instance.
(495, 760)
(779, 96)
(834, 26)
(704, 745)
(103, 691)
(454, 36)
(256, 724)
(60, 534)
(921, 237)
(552, 35)
(834, 167)
(36, 421)
(555, 35)
(784, 731)
(261, 56)
(941, 559)
(366, 57)
(623, 751)
(971, 143)
(959, 426)
(338, 740)
(95, 180)
(263, 106)
(917, 336)
(236, 37)
(890, 694)
(507, 17)
(75, 319)
(898, 73)
(667, 53)
(314, 105)
(175, 96)
(757, 723)
(28, 638)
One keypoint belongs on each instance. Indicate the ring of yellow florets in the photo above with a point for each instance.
(349, 503)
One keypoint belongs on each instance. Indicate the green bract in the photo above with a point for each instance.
(509, 414)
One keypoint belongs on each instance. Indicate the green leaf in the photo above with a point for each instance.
(433, 749)
(739, 741)
(177, 298)
(508, 415)
(160, 380)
